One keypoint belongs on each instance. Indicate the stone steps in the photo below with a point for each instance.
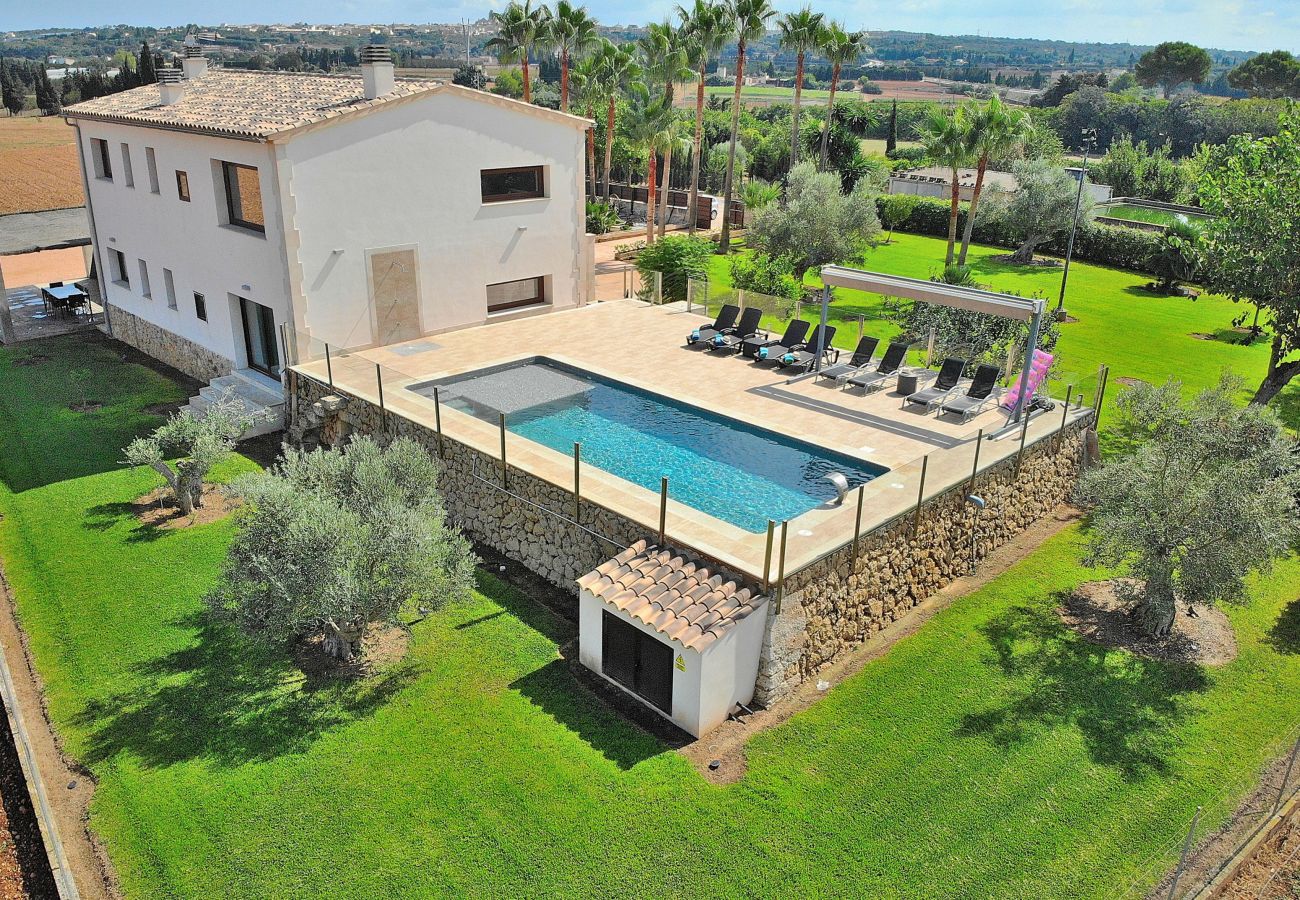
(259, 395)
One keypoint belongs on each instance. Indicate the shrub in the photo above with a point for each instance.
(764, 274)
(602, 218)
(680, 258)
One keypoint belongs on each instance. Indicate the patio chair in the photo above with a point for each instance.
(977, 396)
(723, 324)
(886, 369)
(806, 356)
(747, 330)
(771, 349)
(860, 359)
(945, 384)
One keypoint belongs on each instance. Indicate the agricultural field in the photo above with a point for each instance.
(765, 96)
(876, 146)
(38, 165)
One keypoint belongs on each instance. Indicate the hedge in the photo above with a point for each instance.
(1109, 245)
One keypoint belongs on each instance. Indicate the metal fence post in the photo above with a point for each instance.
(975, 469)
(329, 367)
(663, 507)
(862, 325)
(379, 380)
(437, 422)
(780, 567)
(767, 557)
(920, 496)
(1281, 791)
(857, 521)
(502, 416)
(1182, 860)
(577, 482)
(1024, 433)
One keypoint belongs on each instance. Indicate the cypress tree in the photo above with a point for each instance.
(46, 97)
(145, 71)
(891, 139)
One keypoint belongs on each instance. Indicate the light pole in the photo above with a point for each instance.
(1089, 139)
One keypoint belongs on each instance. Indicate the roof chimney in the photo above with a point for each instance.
(376, 71)
(170, 86)
(192, 62)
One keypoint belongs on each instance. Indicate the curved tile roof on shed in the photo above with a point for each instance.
(678, 597)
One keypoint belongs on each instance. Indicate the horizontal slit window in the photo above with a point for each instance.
(519, 183)
(516, 294)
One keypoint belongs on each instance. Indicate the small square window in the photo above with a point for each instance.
(120, 275)
(151, 163)
(243, 196)
(200, 307)
(521, 183)
(183, 185)
(102, 159)
(516, 294)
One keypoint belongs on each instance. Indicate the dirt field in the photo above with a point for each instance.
(38, 165)
(68, 264)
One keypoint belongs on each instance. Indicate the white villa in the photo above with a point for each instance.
(358, 211)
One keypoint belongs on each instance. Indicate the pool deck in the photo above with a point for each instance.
(644, 346)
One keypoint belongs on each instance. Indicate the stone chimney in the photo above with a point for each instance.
(192, 62)
(170, 85)
(377, 76)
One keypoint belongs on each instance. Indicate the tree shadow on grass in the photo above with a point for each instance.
(1284, 636)
(1125, 707)
(229, 701)
(106, 515)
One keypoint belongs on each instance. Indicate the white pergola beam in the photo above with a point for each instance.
(937, 293)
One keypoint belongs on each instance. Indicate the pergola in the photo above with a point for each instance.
(939, 294)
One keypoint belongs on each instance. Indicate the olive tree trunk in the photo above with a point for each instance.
(342, 641)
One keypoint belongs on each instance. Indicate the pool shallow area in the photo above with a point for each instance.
(725, 468)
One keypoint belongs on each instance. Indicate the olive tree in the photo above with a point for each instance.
(816, 222)
(1206, 496)
(332, 541)
(186, 447)
(1042, 207)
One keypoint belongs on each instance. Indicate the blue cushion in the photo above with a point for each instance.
(788, 358)
(762, 353)
(693, 336)
(719, 340)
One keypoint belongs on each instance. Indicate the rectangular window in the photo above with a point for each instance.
(119, 267)
(183, 185)
(128, 174)
(243, 196)
(516, 294)
(519, 183)
(102, 159)
(151, 163)
(200, 307)
(169, 284)
(145, 289)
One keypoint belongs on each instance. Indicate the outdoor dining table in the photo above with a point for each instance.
(67, 296)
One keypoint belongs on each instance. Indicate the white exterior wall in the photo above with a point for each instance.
(204, 255)
(713, 681)
(407, 175)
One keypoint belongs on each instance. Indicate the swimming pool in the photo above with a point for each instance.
(725, 468)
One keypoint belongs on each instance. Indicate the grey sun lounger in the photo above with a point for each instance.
(772, 349)
(977, 396)
(724, 324)
(805, 356)
(945, 384)
(885, 370)
(746, 330)
(860, 360)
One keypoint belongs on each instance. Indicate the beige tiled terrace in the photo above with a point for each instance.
(644, 346)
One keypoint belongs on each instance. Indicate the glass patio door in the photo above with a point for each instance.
(259, 337)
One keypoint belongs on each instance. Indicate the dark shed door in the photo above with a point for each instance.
(637, 661)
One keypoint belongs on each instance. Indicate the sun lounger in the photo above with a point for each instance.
(746, 330)
(886, 369)
(773, 349)
(861, 358)
(979, 394)
(945, 384)
(806, 356)
(725, 322)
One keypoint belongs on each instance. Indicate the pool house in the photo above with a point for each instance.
(726, 527)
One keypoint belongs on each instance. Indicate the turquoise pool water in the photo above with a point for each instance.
(730, 470)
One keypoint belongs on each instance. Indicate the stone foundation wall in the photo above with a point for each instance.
(166, 347)
(837, 603)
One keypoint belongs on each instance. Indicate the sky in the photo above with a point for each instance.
(1223, 24)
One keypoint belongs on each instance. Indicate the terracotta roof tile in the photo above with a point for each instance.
(681, 598)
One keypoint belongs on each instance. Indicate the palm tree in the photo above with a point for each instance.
(677, 142)
(588, 92)
(749, 20)
(618, 69)
(519, 27)
(948, 142)
(649, 129)
(840, 47)
(569, 33)
(707, 29)
(996, 131)
(664, 60)
(800, 31)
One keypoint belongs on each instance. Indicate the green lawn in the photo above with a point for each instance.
(782, 93)
(992, 754)
(1138, 334)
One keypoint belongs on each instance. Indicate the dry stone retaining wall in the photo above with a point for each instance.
(166, 347)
